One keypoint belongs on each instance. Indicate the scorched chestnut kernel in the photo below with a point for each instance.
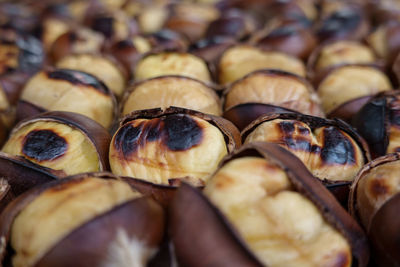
(263, 208)
(171, 90)
(164, 147)
(63, 141)
(374, 201)
(58, 224)
(330, 149)
(68, 90)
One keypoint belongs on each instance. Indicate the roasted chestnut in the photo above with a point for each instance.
(191, 19)
(374, 201)
(275, 88)
(167, 147)
(18, 16)
(171, 90)
(92, 219)
(210, 49)
(378, 121)
(81, 40)
(172, 63)
(342, 88)
(332, 54)
(344, 23)
(237, 61)
(263, 208)
(104, 68)
(290, 39)
(52, 28)
(20, 56)
(150, 18)
(67, 90)
(64, 141)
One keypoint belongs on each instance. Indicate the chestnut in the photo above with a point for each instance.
(172, 63)
(263, 208)
(171, 90)
(113, 25)
(191, 19)
(150, 18)
(290, 39)
(273, 87)
(80, 40)
(340, 52)
(93, 219)
(330, 149)
(378, 122)
(68, 142)
(343, 86)
(21, 55)
(345, 23)
(105, 68)
(210, 49)
(385, 41)
(170, 146)
(385, 11)
(52, 28)
(21, 17)
(239, 60)
(374, 201)
(67, 90)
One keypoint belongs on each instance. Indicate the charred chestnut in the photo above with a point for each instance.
(67, 90)
(374, 201)
(378, 121)
(84, 206)
(330, 149)
(343, 85)
(262, 207)
(166, 147)
(237, 61)
(275, 88)
(178, 91)
(64, 141)
(172, 63)
(104, 68)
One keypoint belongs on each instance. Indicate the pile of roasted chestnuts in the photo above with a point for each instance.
(221, 133)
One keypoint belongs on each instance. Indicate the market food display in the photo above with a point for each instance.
(199, 133)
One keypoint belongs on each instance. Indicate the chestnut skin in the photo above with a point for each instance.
(374, 201)
(68, 90)
(67, 142)
(171, 90)
(221, 222)
(121, 210)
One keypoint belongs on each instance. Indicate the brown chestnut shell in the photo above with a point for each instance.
(190, 207)
(146, 221)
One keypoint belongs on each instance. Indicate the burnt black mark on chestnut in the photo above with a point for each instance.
(286, 30)
(78, 78)
(299, 141)
(177, 132)
(337, 148)
(43, 145)
(226, 27)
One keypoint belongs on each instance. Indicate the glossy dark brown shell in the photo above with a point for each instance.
(347, 110)
(190, 208)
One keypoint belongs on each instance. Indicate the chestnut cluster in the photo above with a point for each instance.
(199, 133)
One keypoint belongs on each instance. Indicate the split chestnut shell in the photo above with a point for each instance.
(92, 219)
(257, 188)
